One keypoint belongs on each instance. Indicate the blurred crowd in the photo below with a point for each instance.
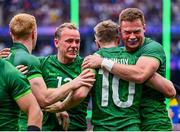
(47, 12)
(51, 13)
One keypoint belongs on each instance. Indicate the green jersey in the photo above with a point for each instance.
(115, 101)
(153, 107)
(56, 74)
(20, 56)
(13, 86)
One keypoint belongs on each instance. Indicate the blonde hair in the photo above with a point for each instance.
(131, 14)
(106, 31)
(22, 25)
(59, 29)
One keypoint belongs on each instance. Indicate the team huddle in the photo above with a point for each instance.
(126, 84)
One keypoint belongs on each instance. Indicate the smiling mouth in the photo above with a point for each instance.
(73, 51)
(133, 42)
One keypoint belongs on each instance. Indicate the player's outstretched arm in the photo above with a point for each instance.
(47, 96)
(54, 108)
(162, 85)
(29, 105)
(78, 95)
(74, 98)
(144, 68)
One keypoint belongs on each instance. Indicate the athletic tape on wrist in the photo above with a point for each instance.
(107, 64)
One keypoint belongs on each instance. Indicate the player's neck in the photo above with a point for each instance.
(27, 44)
(64, 60)
(109, 45)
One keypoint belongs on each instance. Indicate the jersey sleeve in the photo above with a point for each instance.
(32, 63)
(17, 83)
(34, 68)
(154, 50)
(42, 60)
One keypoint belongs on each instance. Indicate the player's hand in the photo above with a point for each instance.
(54, 108)
(22, 69)
(63, 119)
(86, 78)
(4, 53)
(92, 61)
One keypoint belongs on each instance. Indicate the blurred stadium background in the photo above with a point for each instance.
(52, 13)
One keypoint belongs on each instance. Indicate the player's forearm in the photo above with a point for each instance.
(145, 67)
(75, 98)
(48, 96)
(86, 79)
(130, 72)
(162, 85)
(54, 108)
(29, 105)
(55, 94)
(35, 116)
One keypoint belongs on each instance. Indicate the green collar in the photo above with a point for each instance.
(17, 45)
(116, 48)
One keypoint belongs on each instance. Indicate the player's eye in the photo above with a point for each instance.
(77, 41)
(137, 31)
(69, 40)
(127, 32)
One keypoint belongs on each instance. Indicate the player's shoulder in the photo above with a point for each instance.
(78, 59)
(31, 59)
(4, 64)
(48, 60)
(151, 46)
(7, 67)
(44, 59)
(23, 55)
(23, 58)
(152, 43)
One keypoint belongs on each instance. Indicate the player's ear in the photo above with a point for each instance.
(144, 27)
(97, 44)
(33, 35)
(10, 33)
(118, 39)
(56, 42)
(119, 29)
(11, 36)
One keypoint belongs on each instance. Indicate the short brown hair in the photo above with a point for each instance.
(106, 31)
(131, 14)
(22, 25)
(62, 26)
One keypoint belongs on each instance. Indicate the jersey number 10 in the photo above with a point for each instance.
(115, 92)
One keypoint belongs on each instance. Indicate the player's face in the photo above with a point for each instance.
(68, 45)
(132, 34)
